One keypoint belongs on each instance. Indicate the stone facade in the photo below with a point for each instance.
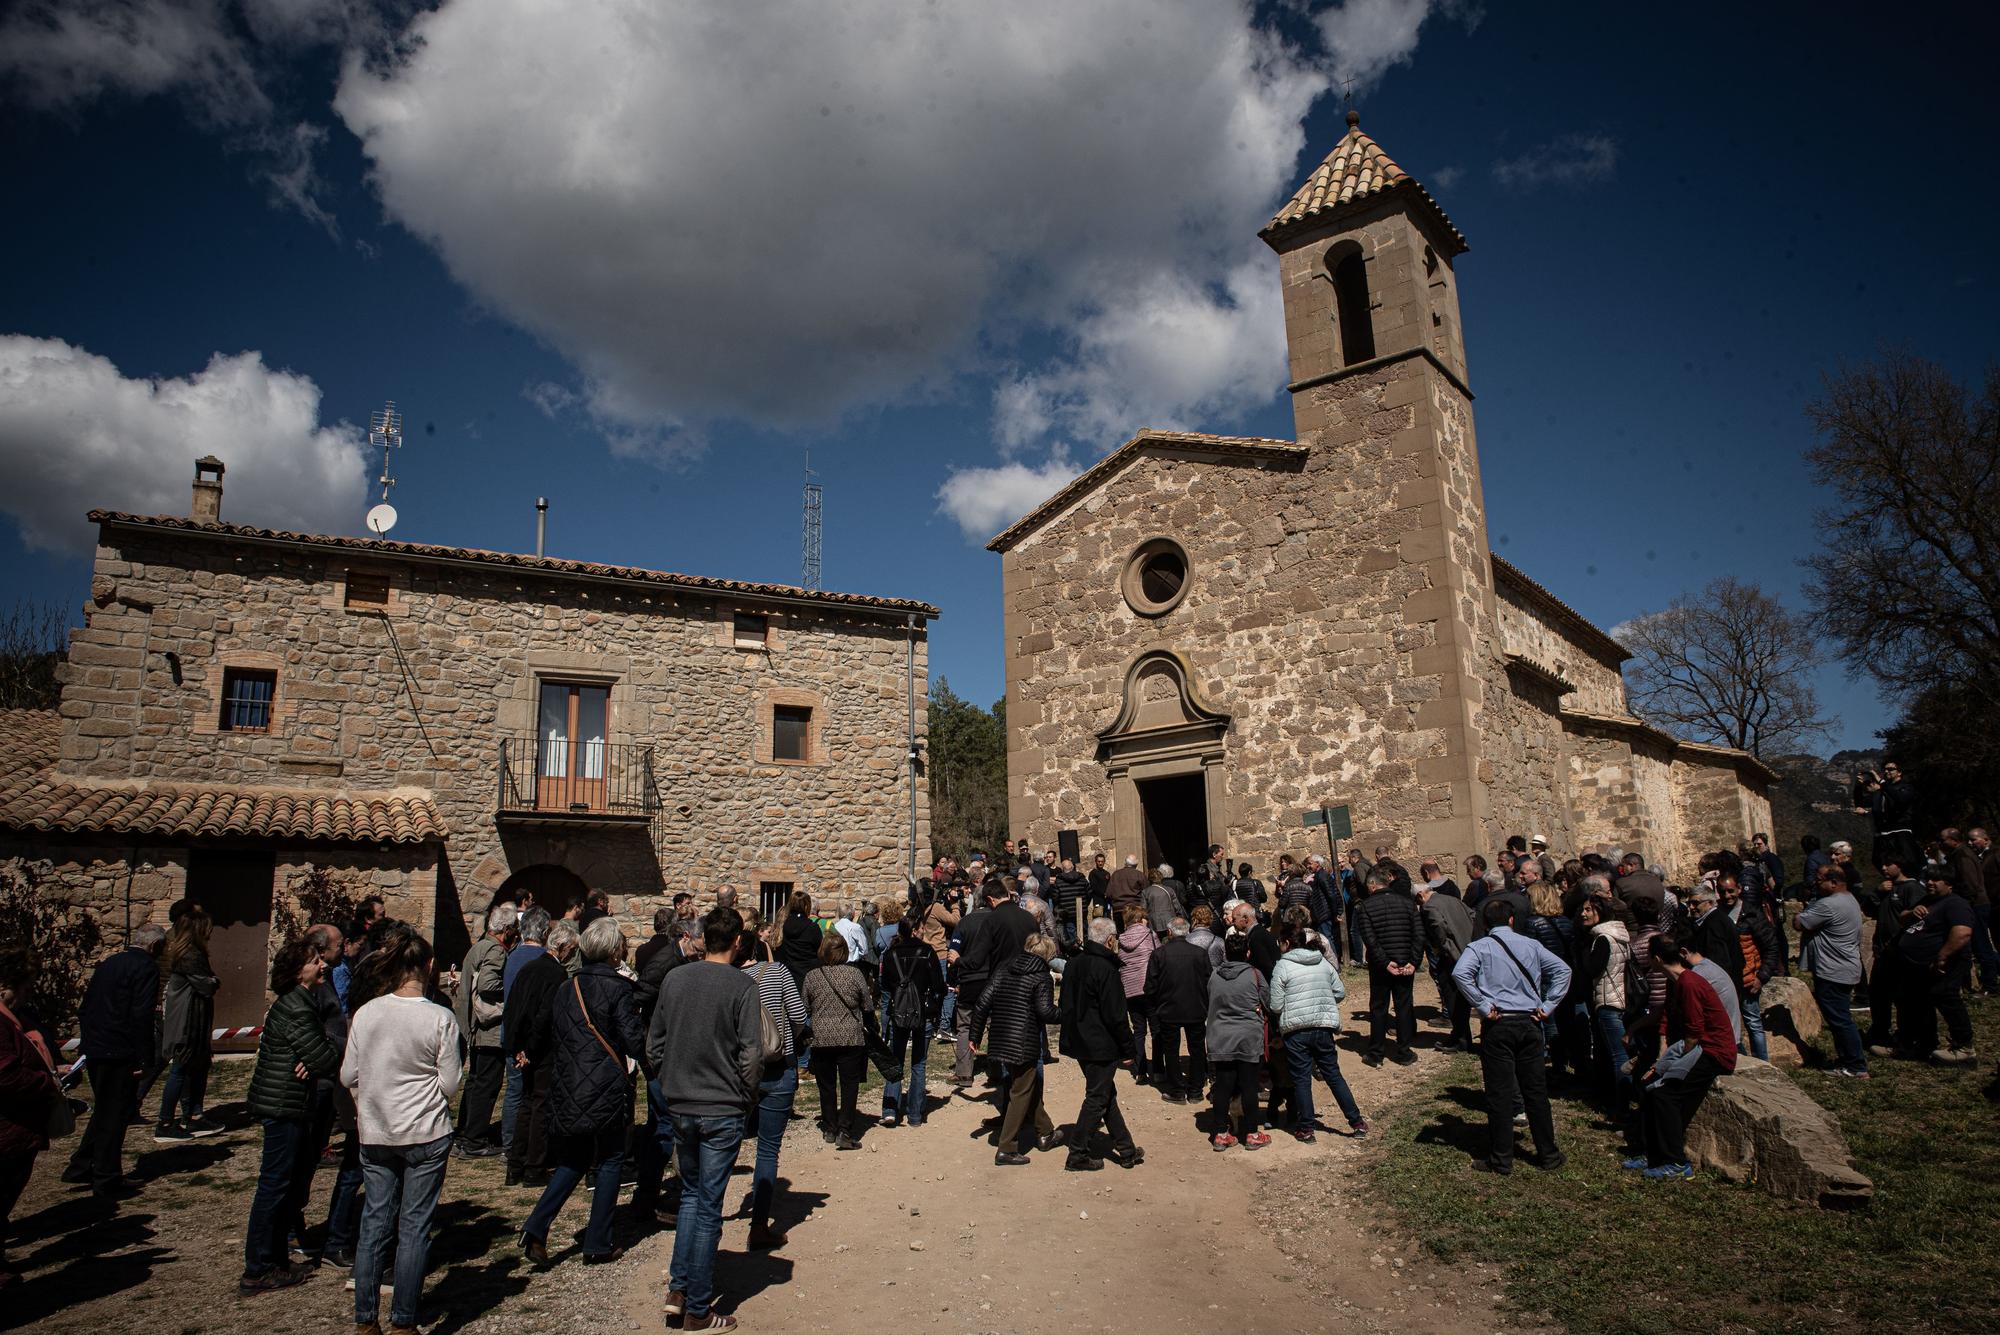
(1339, 632)
(401, 672)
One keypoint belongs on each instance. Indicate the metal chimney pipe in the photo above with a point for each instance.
(541, 522)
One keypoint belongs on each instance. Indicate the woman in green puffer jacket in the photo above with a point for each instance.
(292, 1053)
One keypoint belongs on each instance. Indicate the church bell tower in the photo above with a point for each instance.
(1379, 392)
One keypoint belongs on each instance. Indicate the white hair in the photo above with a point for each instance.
(562, 936)
(602, 940)
(1314, 859)
(1166, 870)
(1840, 846)
(1177, 927)
(501, 918)
(149, 936)
(1103, 931)
(1131, 859)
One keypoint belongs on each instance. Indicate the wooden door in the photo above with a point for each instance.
(570, 746)
(235, 887)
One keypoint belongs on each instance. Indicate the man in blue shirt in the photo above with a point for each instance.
(1513, 983)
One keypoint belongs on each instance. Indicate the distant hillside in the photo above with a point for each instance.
(1815, 796)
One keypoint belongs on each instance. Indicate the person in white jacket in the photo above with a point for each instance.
(1306, 993)
(402, 1065)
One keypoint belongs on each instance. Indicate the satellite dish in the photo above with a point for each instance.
(382, 518)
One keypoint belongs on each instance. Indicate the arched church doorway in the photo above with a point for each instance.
(547, 885)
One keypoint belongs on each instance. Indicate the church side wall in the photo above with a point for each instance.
(1526, 630)
(1528, 763)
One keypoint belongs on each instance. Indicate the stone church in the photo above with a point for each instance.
(1207, 636)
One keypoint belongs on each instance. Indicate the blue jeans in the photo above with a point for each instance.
(1753, 1028)
(264, 1238)
(950, 1011)
(1611, 1040)
(510, 1106)
(707, 1147)
(343, 1208)
(1312, 1049)
(403, 1182)
(774, 1109)
(919, 1041)
(187, 1085)
(1836, 1003)
(602, 1154)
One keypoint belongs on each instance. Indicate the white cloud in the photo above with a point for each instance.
(1444, 178)
(76, 434)
(1571, 159)
(986, 500)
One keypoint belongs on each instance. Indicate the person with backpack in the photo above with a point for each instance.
(913, 1000)
(1247, 889)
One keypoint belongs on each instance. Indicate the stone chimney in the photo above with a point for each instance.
(207, 507)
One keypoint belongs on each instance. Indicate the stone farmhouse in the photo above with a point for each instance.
(446, 727)
(1207, 636)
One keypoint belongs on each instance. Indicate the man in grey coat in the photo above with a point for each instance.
(1449, 928)
(479, 1007)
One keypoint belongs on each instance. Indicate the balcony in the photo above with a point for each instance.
(574, 781)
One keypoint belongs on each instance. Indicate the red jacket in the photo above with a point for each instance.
(1697, 1015)
(27, 1088)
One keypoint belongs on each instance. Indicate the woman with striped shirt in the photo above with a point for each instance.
(787, 1009)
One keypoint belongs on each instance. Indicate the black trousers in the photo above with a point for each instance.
(1100, 1107)
(1886, 996)
(1167, 1057)
(1234, 1079)
(101, 1149)
(1458, 1011)
(1512, 1057)
(1928, 994)
(1384, 987)
(1667, 1108)
(530, 1151)
(482, 1090)
(1140, 1012)
(839, 1072)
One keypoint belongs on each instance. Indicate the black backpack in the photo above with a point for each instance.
(906, 1003)
(1250, 891)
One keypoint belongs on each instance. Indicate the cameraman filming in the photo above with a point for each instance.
(1890, 801)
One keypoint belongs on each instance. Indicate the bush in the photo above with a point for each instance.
(316, 895)
(64, 938)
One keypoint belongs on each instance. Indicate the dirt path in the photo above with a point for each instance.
(920, 1230)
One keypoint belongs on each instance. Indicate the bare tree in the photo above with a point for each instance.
(33, 639)
(1729, 666)
(1907, 577)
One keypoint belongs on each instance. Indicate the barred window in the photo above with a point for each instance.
(246, 699)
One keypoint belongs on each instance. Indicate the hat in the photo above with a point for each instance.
(1539, 840)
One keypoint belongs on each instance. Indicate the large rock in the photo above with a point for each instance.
(1792, 1020)
(1758, 1126)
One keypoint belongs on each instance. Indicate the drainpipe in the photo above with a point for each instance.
(910, 675)
(541, 522)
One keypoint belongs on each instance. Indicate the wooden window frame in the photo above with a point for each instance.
(759, 642)
(768, 702)
(802, 716)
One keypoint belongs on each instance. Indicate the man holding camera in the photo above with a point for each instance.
(1890, 801)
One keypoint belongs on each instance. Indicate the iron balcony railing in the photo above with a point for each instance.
(577, 776)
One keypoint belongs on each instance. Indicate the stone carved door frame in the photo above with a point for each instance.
(1164, 728)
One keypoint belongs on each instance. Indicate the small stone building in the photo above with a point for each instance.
(446, 727)
(1207, 636)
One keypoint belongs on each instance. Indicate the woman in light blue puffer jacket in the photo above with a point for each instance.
(1306, 993)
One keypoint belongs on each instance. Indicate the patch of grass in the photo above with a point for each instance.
(1599, 1249)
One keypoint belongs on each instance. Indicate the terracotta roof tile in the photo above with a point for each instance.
(34, 797)
(1250, 447)
(546, 565)
(1356, 172)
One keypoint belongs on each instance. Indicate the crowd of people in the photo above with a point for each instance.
(1213, 990)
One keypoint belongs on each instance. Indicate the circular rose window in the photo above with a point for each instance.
(1156, 577)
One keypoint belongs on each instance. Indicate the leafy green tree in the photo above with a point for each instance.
(967, 768)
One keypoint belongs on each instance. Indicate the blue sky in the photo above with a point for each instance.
(640, 258)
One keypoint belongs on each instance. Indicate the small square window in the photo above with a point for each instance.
(246, 699)
(753, 630)
(773, 899)
(791, 732)
(367, 588)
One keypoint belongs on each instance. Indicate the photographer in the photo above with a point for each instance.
(1890, 801)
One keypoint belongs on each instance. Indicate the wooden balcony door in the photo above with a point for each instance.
(570, 746)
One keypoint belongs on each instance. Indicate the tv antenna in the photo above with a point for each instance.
(385, 432)
(809, 538)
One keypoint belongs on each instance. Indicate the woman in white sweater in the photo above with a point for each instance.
(402, 1065)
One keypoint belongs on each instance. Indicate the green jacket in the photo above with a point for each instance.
(292, 1034)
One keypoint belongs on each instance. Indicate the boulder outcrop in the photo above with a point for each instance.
(1758, 1126)
(1792, 1021)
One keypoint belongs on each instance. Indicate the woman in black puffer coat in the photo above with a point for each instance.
(593, 1027)
(1019, 1004)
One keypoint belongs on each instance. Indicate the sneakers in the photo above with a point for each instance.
(1636, 1163)
(281, 1277)
(1255, 1140)
(1359, 1126)
(712, 1321)
(1304, 1135)
(1955, 1056)
(1671, 1172)
(171, 1133)
(1878, 1050)
(201, 1124)
(1222, 1140)
(675, 1305)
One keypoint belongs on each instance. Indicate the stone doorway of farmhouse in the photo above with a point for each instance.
(1164, 757)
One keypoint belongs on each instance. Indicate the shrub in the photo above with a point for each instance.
(64, 938)
(315, 895)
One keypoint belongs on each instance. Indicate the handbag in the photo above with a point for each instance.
(768, 1032)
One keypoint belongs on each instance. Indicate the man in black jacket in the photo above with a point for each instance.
(1713, 932)
(116, 1023)
(1070, 892)
(524, 1030)
(1392, 935)
(988, 941)
(1177, 989)
(1097, 1032)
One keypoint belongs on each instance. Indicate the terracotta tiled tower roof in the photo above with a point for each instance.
(1356, 172)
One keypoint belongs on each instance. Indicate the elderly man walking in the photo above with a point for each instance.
(1097, 1032)
(1513, 983)
(481, 1004)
